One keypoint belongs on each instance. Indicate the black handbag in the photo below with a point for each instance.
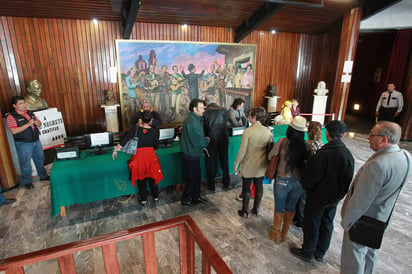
(131, 146)
(368, 231)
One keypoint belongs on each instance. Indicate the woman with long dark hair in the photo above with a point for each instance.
(293, 153)
(144, 165)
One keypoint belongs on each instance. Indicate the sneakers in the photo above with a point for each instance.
(186, 203)
(199, 201)
(298, 252)
(319, 258)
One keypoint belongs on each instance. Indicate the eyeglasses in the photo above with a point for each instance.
(375, 135)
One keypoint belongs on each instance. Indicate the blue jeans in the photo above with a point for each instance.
(26, 151)
(287, 192)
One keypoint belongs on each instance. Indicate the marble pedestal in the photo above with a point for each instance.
(112, 123)
(272, 103)
(319, 108)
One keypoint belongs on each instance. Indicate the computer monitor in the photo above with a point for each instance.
(100, 142)
(167, 136)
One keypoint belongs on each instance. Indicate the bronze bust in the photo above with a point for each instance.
(109, 98)
(32, 99)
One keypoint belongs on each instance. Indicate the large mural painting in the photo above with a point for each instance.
(170, 74)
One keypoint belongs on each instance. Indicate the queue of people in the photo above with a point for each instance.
(323, 172)
(319, 174)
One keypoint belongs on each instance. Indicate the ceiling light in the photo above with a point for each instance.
(95, 21)
(273, 31)
(184, 26)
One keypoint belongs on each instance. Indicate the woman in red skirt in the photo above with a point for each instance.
(144, 165)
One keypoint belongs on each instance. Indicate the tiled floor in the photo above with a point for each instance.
(27, 226)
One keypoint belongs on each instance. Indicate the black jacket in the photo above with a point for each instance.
(328, 174)
(215, 119)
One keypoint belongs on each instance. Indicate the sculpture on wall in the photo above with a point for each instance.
(109, 98)
(321, 90)
(32, 99)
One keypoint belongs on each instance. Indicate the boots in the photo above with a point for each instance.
(256, 203)
(274, 234)
(286, 223)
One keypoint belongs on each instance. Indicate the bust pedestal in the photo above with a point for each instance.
(272, 103)
(112, 123)
(319, 107)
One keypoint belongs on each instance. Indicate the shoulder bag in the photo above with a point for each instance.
(273, 165)
(131, 146)
(368, 231)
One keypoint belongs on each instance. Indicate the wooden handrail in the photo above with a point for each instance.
(189, 233)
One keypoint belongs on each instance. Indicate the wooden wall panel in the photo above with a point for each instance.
(276, 63)
(71, 58)
(347, 49)
(317, 61)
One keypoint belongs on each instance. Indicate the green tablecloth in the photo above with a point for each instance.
(98, 177)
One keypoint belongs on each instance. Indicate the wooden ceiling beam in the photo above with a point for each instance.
(130, 15)
(259, 17)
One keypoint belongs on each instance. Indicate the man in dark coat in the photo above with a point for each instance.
(326, 179)
(215, 121)
(192, 143)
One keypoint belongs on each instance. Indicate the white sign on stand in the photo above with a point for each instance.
(319, 108)
(52, 130)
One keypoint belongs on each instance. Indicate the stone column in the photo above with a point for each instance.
(112, 123)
